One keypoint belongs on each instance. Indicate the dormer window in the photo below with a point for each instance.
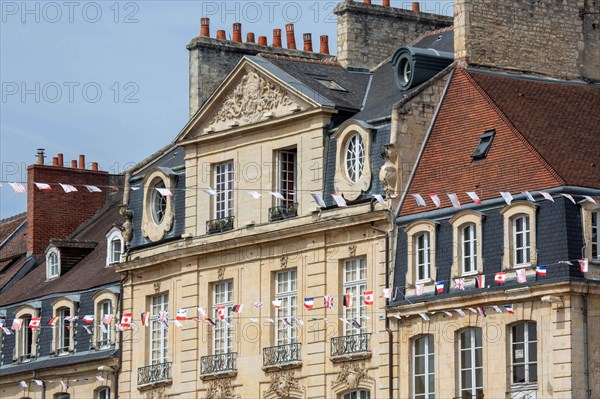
(353, 165)
(52, 263)
(158, 215)
(114, 250)
(485, 142)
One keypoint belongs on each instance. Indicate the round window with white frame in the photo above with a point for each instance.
(353, 165)
(158, 215)
(355, 158)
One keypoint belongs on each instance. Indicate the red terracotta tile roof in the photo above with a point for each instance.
(547, 135)
(560, 120)
(13, 241)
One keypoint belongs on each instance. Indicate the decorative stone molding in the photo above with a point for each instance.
(352, 250)
(221, 388)
(221, 273)
(283, 385)
(389, 172)
(157, 287)
(284, 261)
(252, 99)
(156, 393)
(351, 375)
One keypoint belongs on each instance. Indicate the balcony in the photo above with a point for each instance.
(283, 212)
(155, 375)
(282, 356)
(223, 365)
(219, 225)
(350, 347)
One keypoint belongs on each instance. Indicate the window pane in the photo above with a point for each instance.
(518, 374)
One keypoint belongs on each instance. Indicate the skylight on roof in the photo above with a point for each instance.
(485, 142)
(330, 84)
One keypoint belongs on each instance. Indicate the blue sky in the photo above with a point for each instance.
(109, 79)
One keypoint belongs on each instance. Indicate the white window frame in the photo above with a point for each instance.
(224, 190)
(428, 367)
(469, 249)
(422, 256)
(355, 282)
(524, 250)
(460, 222)
(412, 233)
(25, 350)
(354, 157)
(52, 263)
(285, 167)
(474, 349)
(103, 393)
(159, 335)
(105, 338)
(64, 336)
(286, 291)
(222, 341)
(357, 394)
(595, 236)
(351, 188)
(511, 214)
(526, 354)
(113, 236)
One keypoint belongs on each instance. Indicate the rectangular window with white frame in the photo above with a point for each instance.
(422, 256)
(159, 333)
(26, 339)
(470, 363)
(521, 241)
(223, 331)
(286, 182)
(355, 283)
(286, 286)
(104, 331)
(523, 353)
(595, 219)
(469, 249)
(224, 178)
(63, 332)
(423, 368)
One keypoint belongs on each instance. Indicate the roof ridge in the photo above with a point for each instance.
(328, 61)
(13, 217)
(507, 120)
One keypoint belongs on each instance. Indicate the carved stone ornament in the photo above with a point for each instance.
(389, 172)
(221, 388)
(351, 374)
(250, 100)
(284, 261)
(221, 273)
(352, 249)
(282, 383)
(156, 393)
(157, 287)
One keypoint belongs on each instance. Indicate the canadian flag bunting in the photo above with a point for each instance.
(368, 297)
(126, 320)
(500, 278)
(34, 323)
(221, 312)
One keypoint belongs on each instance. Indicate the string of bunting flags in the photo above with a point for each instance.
(506, 195)
(221, 312)
(340, 201)
(65, 384)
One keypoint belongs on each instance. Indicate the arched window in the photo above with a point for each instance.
(358, 394)
(114, 248)
(519, 235)
(467, 228)
(103, 393)
(52, 263)
(470, 363)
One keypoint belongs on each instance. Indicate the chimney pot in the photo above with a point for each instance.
(276, 37)
(205, 27)
(291, 40)
(367, 1)
(416, 7)
(82, 162)
(262, 41)
(40, 156)
(386, 3)
(221, 35)
(74, 163)
(250, 37)
(94, 165)
(61, 162)
(324, 44)
(54, 161)
(308, 42)
(237, 32)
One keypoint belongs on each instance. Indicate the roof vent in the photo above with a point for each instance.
(413, 65)
(485, 142)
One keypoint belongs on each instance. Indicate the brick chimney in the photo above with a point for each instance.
(528, 36)
(55, 213)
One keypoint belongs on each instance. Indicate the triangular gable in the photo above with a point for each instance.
(446, 166)
(249, 95)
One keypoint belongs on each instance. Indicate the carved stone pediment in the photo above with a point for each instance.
(283, 385)
(351, 375)
(253, 98)
(221, 388)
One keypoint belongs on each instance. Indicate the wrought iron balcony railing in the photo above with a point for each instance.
(155, 373)
(218, 363)
(350, 344)
(281, 354)
(283, 212)
(219, 225)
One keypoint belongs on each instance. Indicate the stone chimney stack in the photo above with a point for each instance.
(555, 38)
